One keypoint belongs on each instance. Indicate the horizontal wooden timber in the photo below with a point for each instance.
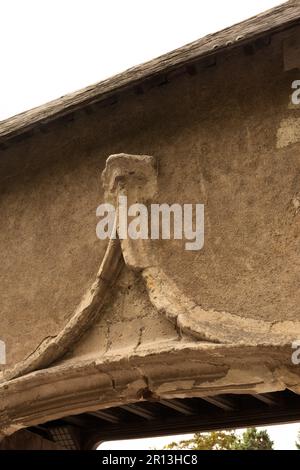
(151, 419)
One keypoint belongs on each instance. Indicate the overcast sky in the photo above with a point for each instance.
(53, 47)
(283, 436)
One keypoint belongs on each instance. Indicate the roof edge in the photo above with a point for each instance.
(270, 21)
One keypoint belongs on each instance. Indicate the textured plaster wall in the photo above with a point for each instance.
(225, 137)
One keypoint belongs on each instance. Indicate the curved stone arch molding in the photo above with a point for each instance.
(136, 177)
(53, 348)
(84, 386)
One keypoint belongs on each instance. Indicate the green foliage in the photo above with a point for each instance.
(251, 439)
(207, 441)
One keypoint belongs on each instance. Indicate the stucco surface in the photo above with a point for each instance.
(219, 139)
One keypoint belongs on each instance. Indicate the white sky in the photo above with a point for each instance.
(283, 436)
(53, 47)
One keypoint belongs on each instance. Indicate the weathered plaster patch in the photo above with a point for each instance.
(288, 132)
(296, 203)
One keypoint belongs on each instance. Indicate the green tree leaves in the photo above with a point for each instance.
(251, 439)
